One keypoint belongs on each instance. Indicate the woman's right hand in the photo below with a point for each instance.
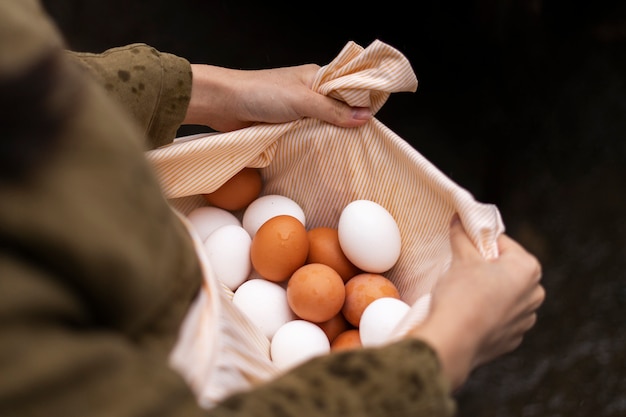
(227, 99)
(481, 309)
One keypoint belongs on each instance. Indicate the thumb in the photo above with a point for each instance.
(335, 111)
(461, 245)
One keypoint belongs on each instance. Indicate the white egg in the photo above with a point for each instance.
(264, 208)
(264, 303)
(228, 252)
(296, 342)
(369, 236)
(379, 319)
(418, 312)
(207, 219)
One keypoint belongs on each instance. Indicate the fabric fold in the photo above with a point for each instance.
(322, 167)
(358, 76)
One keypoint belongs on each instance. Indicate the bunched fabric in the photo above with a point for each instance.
(322, 167)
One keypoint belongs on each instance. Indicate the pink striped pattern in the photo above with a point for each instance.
(324, 167)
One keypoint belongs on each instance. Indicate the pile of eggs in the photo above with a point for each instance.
(310, 291)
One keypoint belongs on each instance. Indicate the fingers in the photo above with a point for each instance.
(529, 322)
(528, 317)
(462, 246)
(510, 249)
(537, 298)
(506, 244)
(328, 109)
(519, 330)
(335, 111)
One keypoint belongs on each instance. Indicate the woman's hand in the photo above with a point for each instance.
(228, 99)
(481, 309)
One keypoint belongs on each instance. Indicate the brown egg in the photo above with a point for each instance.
(279, 247)
(238, 192)
(324, 248)
(361, 290)
(349, 339)
(315, 292)
(337, 324)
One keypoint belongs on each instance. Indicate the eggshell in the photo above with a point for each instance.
(379, 319)
(279, 247)
(265, 304)
(296, 342)
(324, 248)
(346, 340)
(361, 290)
(419, 311)
(207, 219)
(228, 252)
(238, 192)
(315, 292)
(268, 206)
(334, 326)
(369, 236)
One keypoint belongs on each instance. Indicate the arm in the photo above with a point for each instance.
(228, 99)
(51, 364)
(481, 309)
(95, 285)
(402, 379)
(163, 91)
(154, 87)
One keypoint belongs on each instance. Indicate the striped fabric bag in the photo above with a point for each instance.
(322, 167)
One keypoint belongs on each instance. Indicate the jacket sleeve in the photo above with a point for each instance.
(154, 87)
(96, 274)
(399, 380)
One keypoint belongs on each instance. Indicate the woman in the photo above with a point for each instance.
(97, 273)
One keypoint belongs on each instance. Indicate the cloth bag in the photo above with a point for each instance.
(322, 167)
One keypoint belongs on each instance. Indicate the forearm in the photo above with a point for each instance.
(455, 353)
(481, 308)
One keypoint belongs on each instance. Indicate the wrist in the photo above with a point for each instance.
(200, 102)
(211, 96)
(456, 346)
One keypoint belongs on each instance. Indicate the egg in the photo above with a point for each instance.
(206, 219)
(379, 319)
(315, 292)
(268, 206)
(238, 192)
(296, 342)
(334, 326)
(361, 290)
(369, 236)
(324, 248)
(419, 311)
(264, 303)
(228, 252)
(346, 340)
(279, 247)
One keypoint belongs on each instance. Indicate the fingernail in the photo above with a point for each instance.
(361, 113)
(455, 220)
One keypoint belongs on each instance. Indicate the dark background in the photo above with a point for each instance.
(522, 102)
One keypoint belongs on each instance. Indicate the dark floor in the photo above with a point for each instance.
(522, 102)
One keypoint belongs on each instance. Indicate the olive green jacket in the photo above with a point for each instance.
(97, 273)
